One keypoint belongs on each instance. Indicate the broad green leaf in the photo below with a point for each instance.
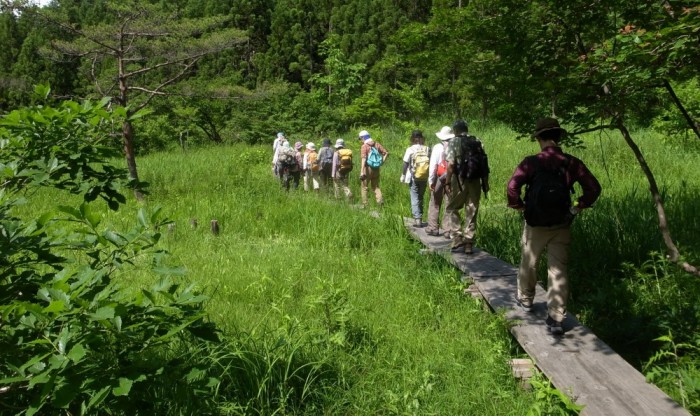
(70, 211)
(55, 306)
(99, 397)
(57, 361)
(114, 238)
(124, 387)
(45, 218)
(76, 353)
(142, 217)
(105, 312)
(117, 323)
(40, 378)
(43, 294)
(62, 340)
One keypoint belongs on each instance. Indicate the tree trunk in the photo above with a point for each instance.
(128, 133)
(672, 250)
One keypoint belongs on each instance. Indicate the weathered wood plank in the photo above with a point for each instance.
(578, 363)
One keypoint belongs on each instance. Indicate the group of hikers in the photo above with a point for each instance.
(329, 166)
(456, 171)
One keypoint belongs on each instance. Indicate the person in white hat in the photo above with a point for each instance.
(372, 155)
(276, 144)
(342, 166)
(311, 168)
(436, 183)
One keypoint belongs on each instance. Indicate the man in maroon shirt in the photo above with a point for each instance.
(554, 237)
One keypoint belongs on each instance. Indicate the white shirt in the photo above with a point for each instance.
(278, 141)
(436, 157)
(407, 159)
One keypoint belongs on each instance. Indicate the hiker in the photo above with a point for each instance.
(287, 164)
(292, 170)
(325, 160)
(436, 182)
(467, 176)
(311, 168)
(342, 166)
(276, 145)
(549, 177)
(415, 172)
(373, 156)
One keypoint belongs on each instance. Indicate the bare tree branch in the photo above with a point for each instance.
(688, 118)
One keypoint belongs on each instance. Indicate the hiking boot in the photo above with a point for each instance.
(468, 248)
(525, 305)
(458, 242)
(432, 232)
(553, 326)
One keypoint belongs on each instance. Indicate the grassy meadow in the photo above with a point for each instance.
(312, 282)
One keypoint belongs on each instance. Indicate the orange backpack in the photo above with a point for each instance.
(312, 161)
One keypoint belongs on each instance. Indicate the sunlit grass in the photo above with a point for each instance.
(394, 324)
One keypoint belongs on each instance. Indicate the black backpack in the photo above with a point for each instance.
(473, 163)
(325, 158)
(547, 196)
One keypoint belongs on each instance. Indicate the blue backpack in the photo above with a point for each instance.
(374, 159)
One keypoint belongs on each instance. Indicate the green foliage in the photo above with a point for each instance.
(72, 337)
(675, 369)
(367, 108)
(671, 121)
(550, 401)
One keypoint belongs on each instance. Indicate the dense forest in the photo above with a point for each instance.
(224, 70)
(238, 71)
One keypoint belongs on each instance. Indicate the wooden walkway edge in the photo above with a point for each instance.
(578, 363)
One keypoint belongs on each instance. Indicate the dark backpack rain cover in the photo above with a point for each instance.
(547, 196)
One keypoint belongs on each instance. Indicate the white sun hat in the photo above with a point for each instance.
(445, 133)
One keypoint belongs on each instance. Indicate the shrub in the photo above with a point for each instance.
(72, 338)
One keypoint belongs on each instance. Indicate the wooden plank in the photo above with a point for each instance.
(578, 363)
(522, 368)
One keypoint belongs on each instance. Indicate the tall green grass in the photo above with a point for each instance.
(392, 324)
(334, 311)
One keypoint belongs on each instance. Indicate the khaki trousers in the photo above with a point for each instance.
(437, 198)
(340, 183)
(534, 241)
(371, 181)
(464, 195)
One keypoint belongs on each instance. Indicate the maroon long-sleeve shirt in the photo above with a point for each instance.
(552, 157)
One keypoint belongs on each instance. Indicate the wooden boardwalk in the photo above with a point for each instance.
(578, 363)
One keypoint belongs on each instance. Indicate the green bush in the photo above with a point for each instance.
(72, 337)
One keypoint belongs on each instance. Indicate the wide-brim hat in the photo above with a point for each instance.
(364, 134)
(339, 143)
(298, 145)
(547, 124)
(445, 133)
(310, 146)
